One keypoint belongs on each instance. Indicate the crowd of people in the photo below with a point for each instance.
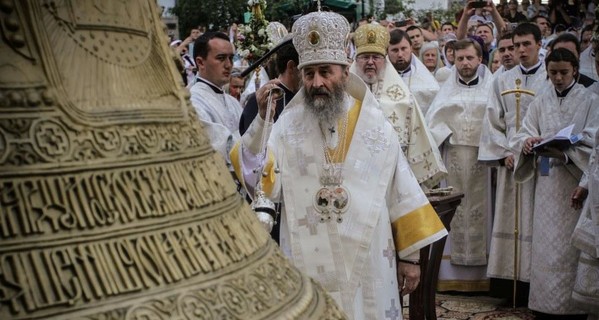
(348, 136)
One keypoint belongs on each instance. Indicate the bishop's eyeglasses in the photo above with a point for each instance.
(367, 57)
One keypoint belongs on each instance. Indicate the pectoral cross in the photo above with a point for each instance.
(518, 93)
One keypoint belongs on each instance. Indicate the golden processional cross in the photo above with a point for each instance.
(518, 93)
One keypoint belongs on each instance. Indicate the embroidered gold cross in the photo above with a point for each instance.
(393, 117)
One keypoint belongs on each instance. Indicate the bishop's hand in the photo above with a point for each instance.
(408, 277)
(268, 93)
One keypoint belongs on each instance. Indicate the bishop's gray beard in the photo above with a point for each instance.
(328, 109)
(371, 79)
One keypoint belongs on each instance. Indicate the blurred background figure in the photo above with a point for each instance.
(494, 62)
(189, 67)
(236, 84)
(431, 58)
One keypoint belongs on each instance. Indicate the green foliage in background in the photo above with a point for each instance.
(213, 14)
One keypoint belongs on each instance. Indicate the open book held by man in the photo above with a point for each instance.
(561, 140)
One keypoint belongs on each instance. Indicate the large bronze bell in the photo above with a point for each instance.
(112, 203)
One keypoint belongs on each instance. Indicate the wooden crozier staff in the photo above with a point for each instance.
(518, 93)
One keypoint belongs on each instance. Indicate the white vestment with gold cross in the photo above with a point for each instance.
(499, 126)
(455, 120)
(421, 83)
(388, 214)
(403, 112)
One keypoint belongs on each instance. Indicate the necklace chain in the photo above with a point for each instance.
(332, 198)
(333, 167)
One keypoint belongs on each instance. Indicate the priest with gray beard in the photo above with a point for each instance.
(353, 215)
(398, 104)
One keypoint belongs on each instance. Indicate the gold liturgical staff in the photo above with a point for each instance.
(518, 93)
(113, 205)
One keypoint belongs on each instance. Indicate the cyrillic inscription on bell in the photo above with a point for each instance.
(113, 205)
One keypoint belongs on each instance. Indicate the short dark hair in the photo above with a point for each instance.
(506, 36)
(447, 24)
(285, 54)
(449, 45)
(413, 27)
(564, 38)
(535, 18)
(562, 54)
(527, 28)
(397, 35)
(465, 43)
(201, 47)
(590, 27)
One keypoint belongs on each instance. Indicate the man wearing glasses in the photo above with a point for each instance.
(397, 102)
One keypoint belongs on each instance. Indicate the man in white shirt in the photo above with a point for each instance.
(218, 111)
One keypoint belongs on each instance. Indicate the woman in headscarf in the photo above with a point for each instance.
(431, 58)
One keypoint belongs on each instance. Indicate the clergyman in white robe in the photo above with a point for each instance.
(587, 64)
(403, 112)
(388, 213)
(586, 239)
(219, 113)
(421, 83)
(554, 259)
(455, 120)
(499, 126)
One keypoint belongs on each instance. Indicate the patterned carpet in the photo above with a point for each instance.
(458, 307)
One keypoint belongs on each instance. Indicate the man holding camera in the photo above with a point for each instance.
(483, 29)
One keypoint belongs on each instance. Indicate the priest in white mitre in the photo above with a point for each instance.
(556, 171)
(353, 214)
(499, 126)
(218, 111)
(421, 82)
(398, 104)
(455, 120)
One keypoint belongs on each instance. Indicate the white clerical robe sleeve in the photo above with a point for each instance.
(525, 164)
(249, 160)
(588, 123)
(414, 222)
(494, 142)
(586, 233)
(221, 138)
